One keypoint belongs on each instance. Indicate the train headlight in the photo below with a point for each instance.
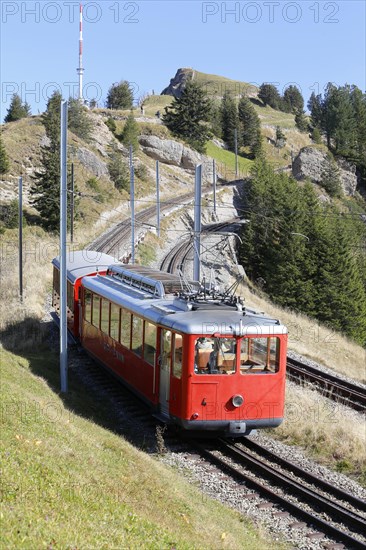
(237, 400)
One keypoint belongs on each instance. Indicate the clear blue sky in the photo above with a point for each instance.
(145, 42)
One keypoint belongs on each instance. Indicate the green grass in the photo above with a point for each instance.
(69, 482)
(226, 162)
(216, 85)
(156, 103)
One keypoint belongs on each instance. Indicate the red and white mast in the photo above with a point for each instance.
(80, 69)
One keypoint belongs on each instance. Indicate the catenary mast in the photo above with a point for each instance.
(80, 69)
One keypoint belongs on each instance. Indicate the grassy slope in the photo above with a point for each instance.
(68, 482)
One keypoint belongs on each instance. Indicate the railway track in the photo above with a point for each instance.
(113, 241)
(317, 504)
(330, 385)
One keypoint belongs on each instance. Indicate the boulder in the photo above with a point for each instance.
(163, 150)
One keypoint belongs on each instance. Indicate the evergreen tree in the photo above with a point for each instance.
(293, 100)
(188, 115)
(301, 121)
(79, 121)
(269, 94)
(280, 138)
(130, 133)
(304, 251)
(119, 170)
(17, 109)
(316, 136)
(120, 96)
(331, 180)
(215, 120)
(4, 161)
(250, 134)
(316, 110)
(46, 187)
(229, 120)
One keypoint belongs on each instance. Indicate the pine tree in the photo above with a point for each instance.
(188, 115)
(316, 136)
(229, 120)
(46, 187)
(316, 110)
(17, 109)
(118, 170)
(4, 161)
(79, 121)
(330, 179)
(120, 96)
(130, 133)
(293, 100)
(280, 138)
(301, 121)
(269, 94)
(250, 133)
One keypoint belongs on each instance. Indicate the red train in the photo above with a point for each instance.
(198, 359)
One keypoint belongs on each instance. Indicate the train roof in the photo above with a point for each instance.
(84, 262)
(175, 313)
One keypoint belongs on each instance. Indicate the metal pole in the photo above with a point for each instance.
(236, 152)
(132, 200)
(21, 239)
(63, 236)
(197, 223)
(72, 205)
(214, 183)
(157, 200)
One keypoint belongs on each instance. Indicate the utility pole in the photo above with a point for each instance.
(72, 205)
(132, 201)
(21, 239)
(157, 199)
(197, 223)
(214, 183)
(63, 236)
(236, 152)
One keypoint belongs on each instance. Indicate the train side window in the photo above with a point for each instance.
(259, 355)
(177, 355)
(137, 335)
(88, 306)
(104, 321)
(114, 326)
(125, 328)
(150, 343)
(70, 296)
(96, 310)
(56, 288)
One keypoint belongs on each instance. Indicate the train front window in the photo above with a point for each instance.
(259, 355)
(215, 356)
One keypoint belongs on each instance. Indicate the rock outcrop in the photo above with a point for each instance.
(91, 162)
(177, 84)
(311, 162)
(170, 152)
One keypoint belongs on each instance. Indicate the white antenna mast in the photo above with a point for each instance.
(80, 69)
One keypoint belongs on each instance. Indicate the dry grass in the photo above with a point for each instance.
(330, 433)
(314, 340)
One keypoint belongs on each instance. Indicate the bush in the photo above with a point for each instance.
(111, 124)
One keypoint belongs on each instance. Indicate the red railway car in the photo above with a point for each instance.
(80, 264)
(199, 360)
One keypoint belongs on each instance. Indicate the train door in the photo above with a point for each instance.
(165, 360)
